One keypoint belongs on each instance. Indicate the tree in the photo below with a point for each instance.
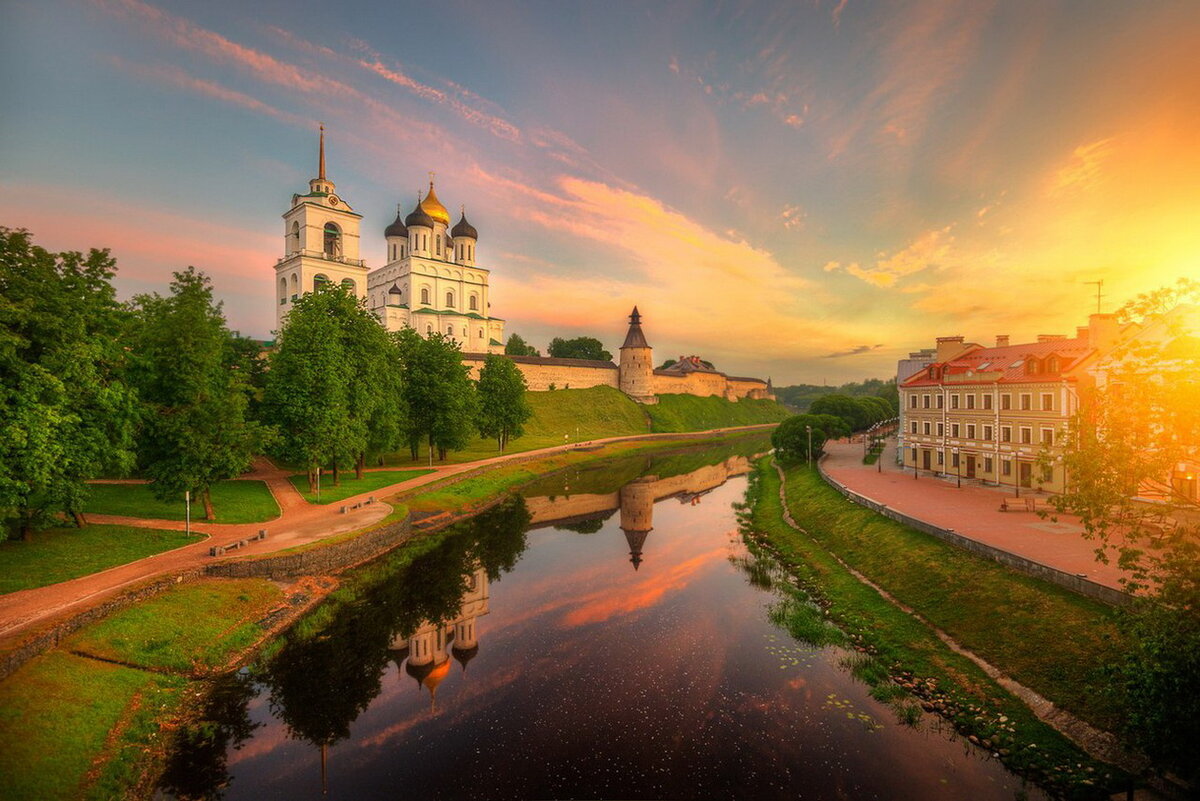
(791, 438)
(374, 384)
(439, 396)
(194, 391)
(66, 412)
(516, 346)
(578, 348)
(503, 409)
(845, 407)
(308, 386)
(1133, 433)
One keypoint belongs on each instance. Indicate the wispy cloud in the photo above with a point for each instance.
(1084, 168)
(855, 351)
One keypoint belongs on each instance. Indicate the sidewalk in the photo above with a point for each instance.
(972, 511)
(300, 522)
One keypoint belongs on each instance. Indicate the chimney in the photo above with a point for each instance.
(1001, 340)
(1103, 331)
(1081, 332)
(1051, 337)
(948, 348)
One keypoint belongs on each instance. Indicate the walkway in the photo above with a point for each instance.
(972, 511)
(300, 522)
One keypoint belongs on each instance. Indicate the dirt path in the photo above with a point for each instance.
(300, 522)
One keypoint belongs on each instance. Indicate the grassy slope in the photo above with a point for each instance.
(692, 413)
(1051, 640)
(76, 727)
(352, 486)
(977, 704)
(238, 501)
(59, 554)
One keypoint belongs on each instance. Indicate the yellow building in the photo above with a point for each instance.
(991, 413)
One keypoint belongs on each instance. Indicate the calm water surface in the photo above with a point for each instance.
(608, 637)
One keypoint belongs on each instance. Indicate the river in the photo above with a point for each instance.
(607, 636)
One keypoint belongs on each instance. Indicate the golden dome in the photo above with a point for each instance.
(434, 208)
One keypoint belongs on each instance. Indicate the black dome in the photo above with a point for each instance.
(464, 228)
(395, 290)
(418, 217)
(396, 228)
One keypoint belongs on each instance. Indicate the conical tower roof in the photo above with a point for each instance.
(635, 338)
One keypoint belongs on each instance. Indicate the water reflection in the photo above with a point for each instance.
(586, 678)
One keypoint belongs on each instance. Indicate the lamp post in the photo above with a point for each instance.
(809, 430)
(187, 512)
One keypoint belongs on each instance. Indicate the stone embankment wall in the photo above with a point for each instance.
(1070, 581)
(320, 558)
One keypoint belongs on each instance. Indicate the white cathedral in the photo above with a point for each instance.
(429, 283)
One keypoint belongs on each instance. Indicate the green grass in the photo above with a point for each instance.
(693, 413)
(59, 554)
(349, 485)
(237, 501)
(901, 646)
(60, 711)
(1051, 639)
(188, 629)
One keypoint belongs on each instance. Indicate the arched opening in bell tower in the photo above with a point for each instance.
(333, 241)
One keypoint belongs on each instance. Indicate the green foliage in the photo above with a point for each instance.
(517, 346)
(694, 413)
(193, 382)
(578, 348)
(66, 413)
(59, 554)
(858, 412)
(792, 438)
(801, 396)
(235, 501)
(440, 398)
(503, 409)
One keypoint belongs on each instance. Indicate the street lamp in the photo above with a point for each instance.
(809, 430)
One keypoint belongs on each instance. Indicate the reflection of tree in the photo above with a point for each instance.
(586, 526)
(321, 682)
(197, 768)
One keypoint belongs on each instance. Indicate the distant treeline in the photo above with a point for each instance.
(801, 396)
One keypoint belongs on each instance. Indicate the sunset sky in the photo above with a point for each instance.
(802, 190)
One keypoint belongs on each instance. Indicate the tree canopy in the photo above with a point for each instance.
(439, 396)
(791, 437)
(578, 348)
(503, 409)
(517, 346)
(66, 411)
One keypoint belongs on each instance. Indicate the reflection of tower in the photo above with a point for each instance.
(474, 606)
(637, 515)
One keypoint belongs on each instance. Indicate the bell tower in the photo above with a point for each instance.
(320, 233)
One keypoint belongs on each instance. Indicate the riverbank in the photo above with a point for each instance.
(143, 671)
(1051, 640)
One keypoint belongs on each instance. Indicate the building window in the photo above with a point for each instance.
(924, 401)
(941, 429)
(320, 280)
(926, 429)
(1047, 436)
(438, 241)
(914, 426)
(941, 458)
(481, 333)
(1005, 402)
(349, 286)
(954, 429)
(1026, 402)
(449, 330)
(987, 464)
(393, 252)
(425, 295)
(954, 459)
(474, 304)
(1047, 402)
(333, 240)
(1026, 436)
(449, 300)
(294, 240)
(1006, 433)
(970, 401)
(987, 433)
(1047, 474)
(912, 401)
(941, 401)
(987, 402)
(1006, 467)
(429, 329)
(970, 431)
(954, 401)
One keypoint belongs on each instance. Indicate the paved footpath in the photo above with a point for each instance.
(972, 511)
(300, 522)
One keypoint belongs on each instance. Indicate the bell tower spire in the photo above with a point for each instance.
(321, 162)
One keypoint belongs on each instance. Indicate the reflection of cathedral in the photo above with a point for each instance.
(635, 501)
(428, 660)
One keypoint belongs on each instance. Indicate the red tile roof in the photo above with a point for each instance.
(1007, 365)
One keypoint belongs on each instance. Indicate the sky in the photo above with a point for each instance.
(801, 190)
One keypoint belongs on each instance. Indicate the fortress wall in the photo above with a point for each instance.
(689, 384)
(747, 389)
(539, 377)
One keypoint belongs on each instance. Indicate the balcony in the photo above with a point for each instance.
(323, 256)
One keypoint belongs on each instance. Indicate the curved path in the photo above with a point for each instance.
(972, 511)
(300, 522)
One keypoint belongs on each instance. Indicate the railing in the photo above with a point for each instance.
(320, 254)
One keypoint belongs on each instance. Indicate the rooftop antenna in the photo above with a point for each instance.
(1099, 286)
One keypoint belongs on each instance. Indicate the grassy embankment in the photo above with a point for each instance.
(59, 554)
(86, 720)
(350, 486)
(582, 415)
(236, 501)
(1044, 637)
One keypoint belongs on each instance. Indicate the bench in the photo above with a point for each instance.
(220, 550)
(1030, 505)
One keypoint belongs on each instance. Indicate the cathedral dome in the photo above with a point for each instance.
(464, 228)
(396, 228)
(434, 208)
(419, 217)
(395, 290)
